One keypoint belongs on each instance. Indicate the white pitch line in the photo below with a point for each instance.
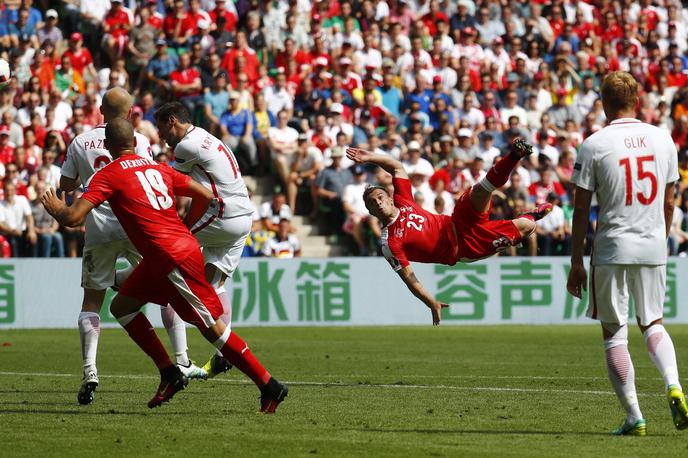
(352, 385)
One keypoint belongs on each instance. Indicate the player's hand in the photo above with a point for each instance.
(436, 309)
(52, 203)
(357, 155)
(578, 280)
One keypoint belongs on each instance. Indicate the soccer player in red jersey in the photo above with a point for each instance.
(411, 233)
(140, 193)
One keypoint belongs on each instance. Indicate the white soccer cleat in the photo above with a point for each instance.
(193, 371)
(88, 388)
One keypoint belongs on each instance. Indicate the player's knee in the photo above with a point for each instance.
(614, 335)
(525, 227)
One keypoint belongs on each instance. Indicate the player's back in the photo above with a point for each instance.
(628, 164)
(85, 156)
(141, 195)
(211, 163)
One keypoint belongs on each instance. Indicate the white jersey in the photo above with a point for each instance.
(86, 155)
(628, 165)
(211, 163)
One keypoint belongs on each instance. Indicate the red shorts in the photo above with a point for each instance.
(478, 236)
(184, 288)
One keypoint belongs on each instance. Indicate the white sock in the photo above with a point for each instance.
(621, 372)
(176, 329)
(226, 316)
(89, 330)
(662, 353)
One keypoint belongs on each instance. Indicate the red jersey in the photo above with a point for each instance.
(141, 194)
(79, 60)
(118, 21)
(187, 76)
(156, 21)
(170, 24)
(416, 234)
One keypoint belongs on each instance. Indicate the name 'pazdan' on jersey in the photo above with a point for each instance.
(85, 156)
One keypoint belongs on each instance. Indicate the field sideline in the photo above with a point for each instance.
(395, 391)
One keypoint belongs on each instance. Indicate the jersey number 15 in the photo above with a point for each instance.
(642, 174)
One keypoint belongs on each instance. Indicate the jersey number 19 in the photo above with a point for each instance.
(151, 181)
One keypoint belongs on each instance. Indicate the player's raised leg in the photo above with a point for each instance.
(89, 332)
(622, 376)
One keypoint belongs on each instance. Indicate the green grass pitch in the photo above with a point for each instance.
(519, 391)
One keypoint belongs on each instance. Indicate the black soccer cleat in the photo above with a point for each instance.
(271, 395)
(520, 148)
(171, 381)
(87, 391)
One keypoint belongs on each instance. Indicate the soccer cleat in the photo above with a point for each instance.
(88, 388)
(171, 381)
(192, 371)
(540, 211)
(520, 148)
(271, 395)
(679, 409)
(639, 428)
(216, 365)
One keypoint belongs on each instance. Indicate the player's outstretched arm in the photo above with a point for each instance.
(581, 214)
(388, 163)
(201, 198)
(69, 216)
(418, 290)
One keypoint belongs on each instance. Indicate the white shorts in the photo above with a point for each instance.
(99, 261)
(612, 285)
(222, 240)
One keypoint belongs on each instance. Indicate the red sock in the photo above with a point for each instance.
(141, 331)
(500, 172)
(237, 352)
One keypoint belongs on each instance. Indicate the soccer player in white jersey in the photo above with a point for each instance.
(222, 238)
(105, 242)
(632, 168)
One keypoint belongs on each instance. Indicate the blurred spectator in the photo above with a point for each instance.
(540, 190)
(271, 213)
(307, 163)
(330, 183)
(553, 232)
(283, 144)
(49, 239)
(16, 217)
(237, 131)
(283, 244)
(358, 220)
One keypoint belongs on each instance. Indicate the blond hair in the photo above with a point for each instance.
(619, 92)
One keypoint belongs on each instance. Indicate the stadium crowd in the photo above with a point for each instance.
(443, 86)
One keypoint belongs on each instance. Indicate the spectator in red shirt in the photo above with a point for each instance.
(155, 19)
(116, 26)
(221, 10)
(435, 15)
(186, 84)
(79, 56)
(541, 189)
(178, 26)
(6, 147)
(242, 49)
(196, 13)
(291, 52)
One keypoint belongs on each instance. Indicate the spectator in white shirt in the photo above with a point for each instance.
(283, 144)
(271, 213)
(356, 211)
(283, 244)
(16, 220)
